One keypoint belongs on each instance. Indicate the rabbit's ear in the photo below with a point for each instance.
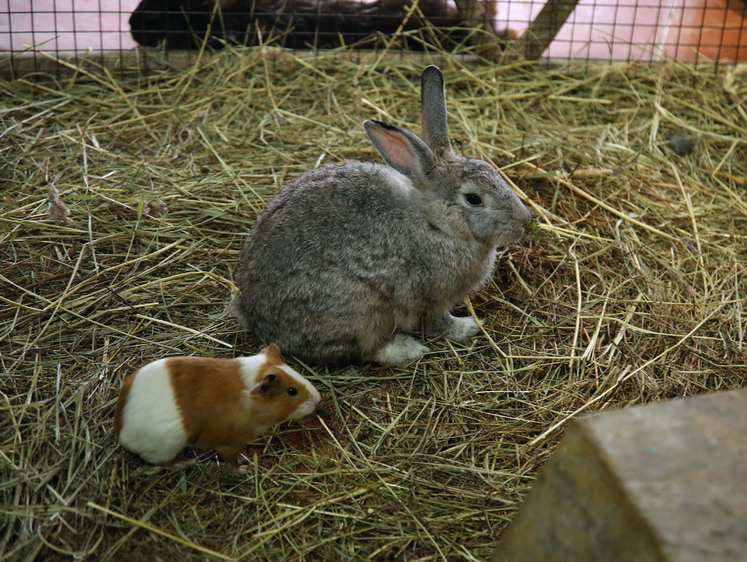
(433, 121)
(402, 149)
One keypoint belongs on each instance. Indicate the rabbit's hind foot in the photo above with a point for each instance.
(401, 350)
(453, 328)
(463, 328)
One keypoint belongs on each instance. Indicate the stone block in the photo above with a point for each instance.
(665, 481)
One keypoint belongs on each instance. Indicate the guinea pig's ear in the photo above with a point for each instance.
(263, 386)
(273, 354)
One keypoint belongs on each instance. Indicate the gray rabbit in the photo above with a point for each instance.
(349, 260)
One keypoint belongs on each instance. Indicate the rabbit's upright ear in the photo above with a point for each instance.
(403, 150)
(433, 121)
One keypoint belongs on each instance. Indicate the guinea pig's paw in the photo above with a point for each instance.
(463, 328)
(242, 469)
(401, 350)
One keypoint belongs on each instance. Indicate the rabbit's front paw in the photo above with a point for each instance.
(401, 350)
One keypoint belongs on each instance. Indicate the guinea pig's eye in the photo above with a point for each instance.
(473, 199)
(292, 391)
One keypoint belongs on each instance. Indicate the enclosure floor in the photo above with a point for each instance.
(126, 201)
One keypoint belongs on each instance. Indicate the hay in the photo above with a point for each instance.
(632, 291)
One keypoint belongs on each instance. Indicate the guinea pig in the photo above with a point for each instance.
(219, 404)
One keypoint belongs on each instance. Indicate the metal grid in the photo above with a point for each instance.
(36, 32)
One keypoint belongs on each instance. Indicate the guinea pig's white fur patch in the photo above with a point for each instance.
(151, 422)
(249, 369)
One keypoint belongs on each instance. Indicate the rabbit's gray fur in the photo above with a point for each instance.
(349, 259)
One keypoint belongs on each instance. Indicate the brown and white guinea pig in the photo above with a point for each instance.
(219, 404)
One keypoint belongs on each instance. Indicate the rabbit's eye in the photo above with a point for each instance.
(473, 199)
(292, 391)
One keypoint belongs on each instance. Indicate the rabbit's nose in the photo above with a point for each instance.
(524, 215)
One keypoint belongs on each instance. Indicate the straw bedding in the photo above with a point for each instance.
(125, 203)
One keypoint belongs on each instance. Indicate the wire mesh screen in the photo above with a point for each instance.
(586, 30)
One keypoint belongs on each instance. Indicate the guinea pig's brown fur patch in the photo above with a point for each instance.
(277, 405)
(122, 400)
(277, 395)
(216, 411)
(273, 355)
(209, 396)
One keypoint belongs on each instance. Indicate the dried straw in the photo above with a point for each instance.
(632, 291)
